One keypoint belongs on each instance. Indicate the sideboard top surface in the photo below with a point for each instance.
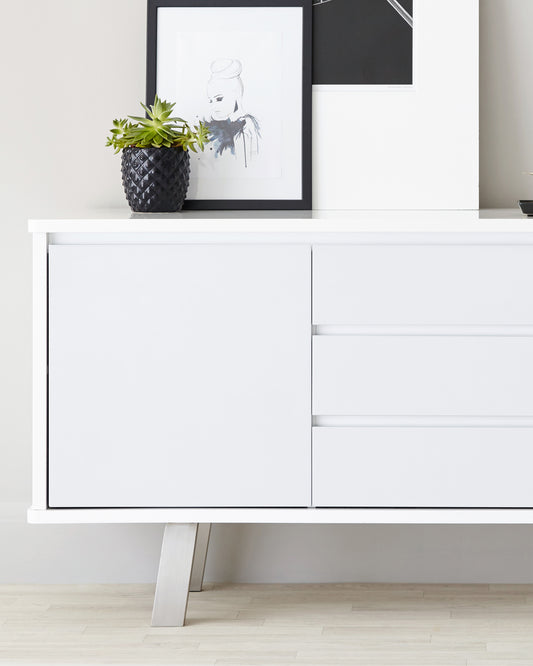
(280, 222)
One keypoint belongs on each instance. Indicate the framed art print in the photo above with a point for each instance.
(401, 77)
(243, 67)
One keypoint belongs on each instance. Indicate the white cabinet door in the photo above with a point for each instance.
(179, 375)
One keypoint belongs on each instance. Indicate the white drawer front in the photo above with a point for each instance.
(422, 467)
(478, 285)
(423, 375)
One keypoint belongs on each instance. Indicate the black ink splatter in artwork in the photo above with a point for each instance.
(224, 133)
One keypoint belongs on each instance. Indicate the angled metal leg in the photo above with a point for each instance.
(200, 555)
(173, 578)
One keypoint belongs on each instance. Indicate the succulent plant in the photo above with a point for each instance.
(158, 130)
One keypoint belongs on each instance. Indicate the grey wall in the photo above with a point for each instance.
(506, 102)
(67, 68)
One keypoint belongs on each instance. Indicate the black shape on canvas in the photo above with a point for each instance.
(362, 42)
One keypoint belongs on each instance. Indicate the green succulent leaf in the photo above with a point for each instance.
(158, 129)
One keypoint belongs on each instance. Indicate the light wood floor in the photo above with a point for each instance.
(366, 624)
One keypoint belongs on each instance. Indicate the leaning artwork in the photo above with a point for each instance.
(244, 69)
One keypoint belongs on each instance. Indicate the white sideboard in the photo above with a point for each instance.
(332, 368)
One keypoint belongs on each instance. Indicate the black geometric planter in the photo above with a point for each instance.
(526, 206)
(155, 179)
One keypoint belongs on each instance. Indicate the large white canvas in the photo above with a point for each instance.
(407, 147)
(267, 43)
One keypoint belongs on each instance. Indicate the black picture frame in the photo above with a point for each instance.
(304, 202)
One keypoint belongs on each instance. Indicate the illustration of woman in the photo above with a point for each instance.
(230, 127)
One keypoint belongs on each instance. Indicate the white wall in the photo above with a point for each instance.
(67, 68)
(506, 102)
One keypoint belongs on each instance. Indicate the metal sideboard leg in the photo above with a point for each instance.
(200, 556)
(173, 578)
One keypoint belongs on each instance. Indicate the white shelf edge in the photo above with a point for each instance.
(373, 222)
(454, 516)
(283, 227)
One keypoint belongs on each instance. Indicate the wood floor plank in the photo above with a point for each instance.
(274, 625)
